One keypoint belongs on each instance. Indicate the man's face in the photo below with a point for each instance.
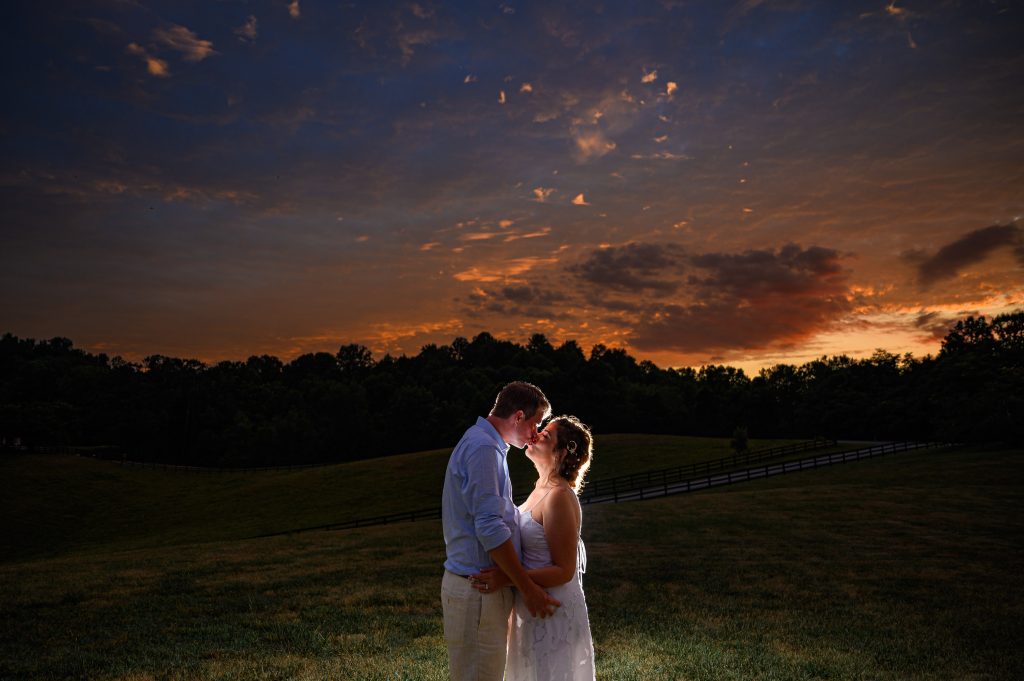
(526, 430)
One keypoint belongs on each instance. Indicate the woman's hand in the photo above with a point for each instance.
(489, 580)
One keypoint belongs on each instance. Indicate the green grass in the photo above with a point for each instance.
(51, 505)
(896, 568)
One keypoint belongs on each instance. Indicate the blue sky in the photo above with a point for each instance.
(742, 182)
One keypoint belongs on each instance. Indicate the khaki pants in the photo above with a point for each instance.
(475, 629)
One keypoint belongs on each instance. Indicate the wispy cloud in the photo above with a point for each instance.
(536, 234)
(660, 156)
(649, 76)
(183, 40)
(506, 270)
(249, 31)
(591, 143)
(970, 249)
(293, 9)
(478, 236)
(408, 41)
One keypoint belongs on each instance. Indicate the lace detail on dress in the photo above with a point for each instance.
(557, 648)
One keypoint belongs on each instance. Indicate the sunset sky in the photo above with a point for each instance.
(739, 181)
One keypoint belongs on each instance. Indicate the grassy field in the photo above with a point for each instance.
(50, 505)
(896, 568)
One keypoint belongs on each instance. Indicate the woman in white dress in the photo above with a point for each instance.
(559, 647)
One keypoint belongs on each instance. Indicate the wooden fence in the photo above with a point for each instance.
(678, 473)
(668, 487)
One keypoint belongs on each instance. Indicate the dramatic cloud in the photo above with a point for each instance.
(755, 275)
(969, 249)
(632, 268)
(725, 301)
(759, 124)
(185, 41)
(524, 301)
(750, 300)
(935, 324)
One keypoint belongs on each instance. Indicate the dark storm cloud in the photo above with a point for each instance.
(750, 300)
(634, 267)
(759, 273)
(747, 300)
(524, 300)
(970, 249)
(937, 325)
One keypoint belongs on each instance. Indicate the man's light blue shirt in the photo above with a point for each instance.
(477, 511)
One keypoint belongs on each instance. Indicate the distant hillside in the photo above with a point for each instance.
(55, 504)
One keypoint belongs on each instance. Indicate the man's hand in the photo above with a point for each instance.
(539, 602)
(489, 580)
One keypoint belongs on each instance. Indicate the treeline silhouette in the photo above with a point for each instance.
(336, 407)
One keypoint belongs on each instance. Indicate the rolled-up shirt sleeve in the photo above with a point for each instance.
(485, 499)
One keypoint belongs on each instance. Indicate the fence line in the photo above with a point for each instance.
(665, 489)
(771, 470)
(677, 473)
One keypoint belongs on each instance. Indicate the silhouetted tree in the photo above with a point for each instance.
(324, 407)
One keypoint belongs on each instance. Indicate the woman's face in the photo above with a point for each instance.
(544, 447)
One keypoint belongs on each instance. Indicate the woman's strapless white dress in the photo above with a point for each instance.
(559, 647)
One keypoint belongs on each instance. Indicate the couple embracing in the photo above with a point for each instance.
(512, 591)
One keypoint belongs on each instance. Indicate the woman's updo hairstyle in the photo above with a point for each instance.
(576, 440)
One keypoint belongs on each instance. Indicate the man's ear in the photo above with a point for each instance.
(520, 415)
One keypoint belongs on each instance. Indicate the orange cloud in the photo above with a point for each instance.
(181, 39)
(155, 67)
(504, 270)
(591, 144)
(541, 194)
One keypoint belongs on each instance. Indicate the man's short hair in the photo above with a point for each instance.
(521, 395)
